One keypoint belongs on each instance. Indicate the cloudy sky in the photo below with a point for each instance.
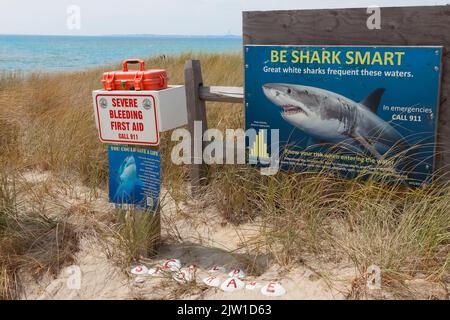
(183, 17)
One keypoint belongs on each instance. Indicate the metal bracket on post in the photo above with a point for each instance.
(196, 123)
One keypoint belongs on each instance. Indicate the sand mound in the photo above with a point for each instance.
(196, 234)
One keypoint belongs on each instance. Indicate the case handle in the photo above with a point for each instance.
(133, 61)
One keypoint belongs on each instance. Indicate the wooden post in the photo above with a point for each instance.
(196, 123)
(222, 94)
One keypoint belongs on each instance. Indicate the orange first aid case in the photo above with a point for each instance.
(137, 80)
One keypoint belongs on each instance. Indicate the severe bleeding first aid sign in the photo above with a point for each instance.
(126, 118)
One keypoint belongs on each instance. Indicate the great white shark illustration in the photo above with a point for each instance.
(128, 179)
(330, 117)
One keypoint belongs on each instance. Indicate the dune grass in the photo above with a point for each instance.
(34, 238)
(47, 122)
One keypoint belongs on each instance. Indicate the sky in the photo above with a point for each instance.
(180, 17)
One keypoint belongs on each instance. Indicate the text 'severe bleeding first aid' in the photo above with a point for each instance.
(137, 117)
(127, 118)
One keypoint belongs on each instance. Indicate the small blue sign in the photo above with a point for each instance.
(134, 177)
(351, 110)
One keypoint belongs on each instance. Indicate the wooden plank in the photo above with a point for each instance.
(400, 26)
(222, 94)
(196, 113)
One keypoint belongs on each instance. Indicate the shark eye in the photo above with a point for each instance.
(289, 91)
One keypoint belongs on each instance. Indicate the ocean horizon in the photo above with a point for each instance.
(53, 53)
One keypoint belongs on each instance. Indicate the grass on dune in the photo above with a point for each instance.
(33, 239)
(52, 115)
(403, 231)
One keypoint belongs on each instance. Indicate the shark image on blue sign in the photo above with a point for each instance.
(355, 111)
(134, 177)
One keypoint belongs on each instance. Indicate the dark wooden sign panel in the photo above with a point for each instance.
(400, 26)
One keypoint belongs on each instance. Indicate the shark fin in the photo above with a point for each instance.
(373, 100)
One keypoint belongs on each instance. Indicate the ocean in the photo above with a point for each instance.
(59, 53)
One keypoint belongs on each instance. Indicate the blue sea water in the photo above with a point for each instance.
(59, 53)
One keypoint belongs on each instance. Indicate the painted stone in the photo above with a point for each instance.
(185, 275)
(212, 281)
(139, 270)
(232, 284)
(154, 272)
(172, 264)
(273, 289)
(237, 273)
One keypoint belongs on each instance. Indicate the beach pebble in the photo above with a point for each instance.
(139, 279)
(273, 289)
(139, 270)
(253, 285)
(154, 272)
(232, 284)
(172, 264)
(237, 273)
(212, 281)
(217, 269)
(185, 275)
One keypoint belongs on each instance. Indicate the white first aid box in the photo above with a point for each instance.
(137, 117)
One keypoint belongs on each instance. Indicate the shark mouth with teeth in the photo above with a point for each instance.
(291, 109)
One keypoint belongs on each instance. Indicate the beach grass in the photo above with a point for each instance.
(47, 123)
(35, 238)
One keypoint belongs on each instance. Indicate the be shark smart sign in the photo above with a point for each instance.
(354, 111)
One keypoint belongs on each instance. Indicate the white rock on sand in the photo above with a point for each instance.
(172, 264)
(139, 279)
(212, 281)
(139, 270)
(155, 272)
(273, 289)
(238, 273)
(232, 284)
(185, 275)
